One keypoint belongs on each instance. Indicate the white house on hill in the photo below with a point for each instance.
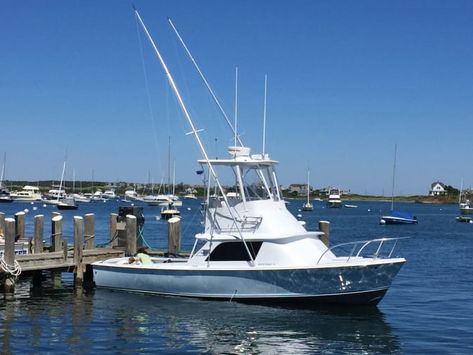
(437, 189)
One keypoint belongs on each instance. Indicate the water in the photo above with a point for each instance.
(428, 309)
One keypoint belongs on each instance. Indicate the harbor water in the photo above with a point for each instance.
(427, 310)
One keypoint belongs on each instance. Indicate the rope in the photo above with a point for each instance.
(115, 236)
(14, 270)
(143, 238)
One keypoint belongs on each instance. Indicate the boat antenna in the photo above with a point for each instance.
(394, 177)
(205, 81)
(236, 106)
(194, 131)
(264, 113)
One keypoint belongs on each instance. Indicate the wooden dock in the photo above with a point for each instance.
(59, 256)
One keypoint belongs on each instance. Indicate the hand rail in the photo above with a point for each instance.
(364, 244)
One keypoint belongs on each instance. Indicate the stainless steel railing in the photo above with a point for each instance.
(382, 248)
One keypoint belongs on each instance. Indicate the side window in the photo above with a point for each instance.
(234, 251)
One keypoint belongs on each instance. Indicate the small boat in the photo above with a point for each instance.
(190, 196)
(307, 206)
(251, 247)
(169, 211)
(81, 198)
(109, 194)
(5, 195)
(398, 217)
(334, 199)
(27, 194)
(465, 219)
(466, 207)
(157, 200)
(350, 206)
(67, 203)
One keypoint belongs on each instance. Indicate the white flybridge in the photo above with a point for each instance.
(252, 248)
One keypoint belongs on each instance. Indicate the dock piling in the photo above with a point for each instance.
(89, 230)
(8, 261)
(130, 235)
(56, 232)
(113, 230)
(19, 226)
(38, 234)
(2, 224)
(78, 242)
(324, 226)
(174, 235)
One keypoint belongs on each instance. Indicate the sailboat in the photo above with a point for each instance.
(308, 206)
(466, 207)
(4, 193)
(65, 202)
(251, 247)
(397, 217)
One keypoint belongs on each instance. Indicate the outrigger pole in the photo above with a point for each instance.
(194, 131)
(205, 82)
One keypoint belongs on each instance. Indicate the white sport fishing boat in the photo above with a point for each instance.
(253, 249)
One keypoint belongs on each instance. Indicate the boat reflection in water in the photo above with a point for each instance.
(227, 327)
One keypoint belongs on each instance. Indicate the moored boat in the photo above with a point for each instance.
(334, 199)
(398, 217)
(27, 194)
(252, 248)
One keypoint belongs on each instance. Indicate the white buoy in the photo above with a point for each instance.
(44, 205)
(26, 210)
(35, 208)
(158, 218)
(188, 208)
(31, 203)
(299, 216)
(369, 210)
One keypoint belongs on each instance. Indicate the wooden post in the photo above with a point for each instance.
(56, 233)
(324, 226)
(130, 248)
(78, 241)
(19, 225)
(2, 224)
(38, 234)
(89, 231)
(113, 230)
(174, 235)
(9, 253)
(65, 248)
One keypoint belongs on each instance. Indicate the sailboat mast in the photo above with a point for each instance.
(205, 81)
(308, 189)
(3, 169)
(264, 113)
(169, 165)
(62, 180)
(394, 177)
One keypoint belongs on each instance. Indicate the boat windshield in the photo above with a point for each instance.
(258, 182)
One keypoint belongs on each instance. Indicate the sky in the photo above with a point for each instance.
(347, 81)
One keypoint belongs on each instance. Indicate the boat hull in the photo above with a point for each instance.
(466, 210)
(397, 220)
(361, 284)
